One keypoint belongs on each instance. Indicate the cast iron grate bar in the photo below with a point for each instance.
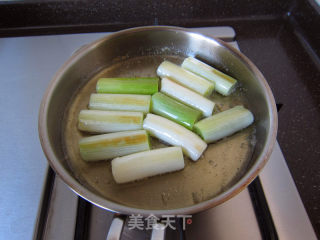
(83, 220)
(181, 231)
(279, 106)
(45, 204)
(261, 208)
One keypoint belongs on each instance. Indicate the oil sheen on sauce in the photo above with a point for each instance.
(222, 164)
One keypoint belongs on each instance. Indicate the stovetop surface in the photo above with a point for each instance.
(294, 79)
(274, 47)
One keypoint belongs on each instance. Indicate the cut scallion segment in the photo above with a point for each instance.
(148, 85)
(187, 96)
(172, 109)
(120, 102)
(224, 84)
(223, 124)
(172, 133)
(111, 145)
(97, 121)
(146, 164)
(185, 78)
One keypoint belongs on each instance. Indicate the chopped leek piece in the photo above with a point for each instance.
(223, 124)
(185, 78)
(187, 96)
(122, 102)
(172, 109)
(146, 164)
(172, 133)
(97, 121)
(224, 84)
(147, 85)
(107, 146)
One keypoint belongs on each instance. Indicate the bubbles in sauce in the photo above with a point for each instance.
(221, 165)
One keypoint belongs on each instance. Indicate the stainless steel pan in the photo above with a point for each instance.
(227, 166)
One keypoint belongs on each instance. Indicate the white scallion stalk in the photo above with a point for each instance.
(172, 133)
(185, 78)
(187, 96)
(111, 145)
(223, 124)
(120, 102)
(97, 121)
(224, 84)
(147, 164)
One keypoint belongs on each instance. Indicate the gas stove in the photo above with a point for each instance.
(270, 208)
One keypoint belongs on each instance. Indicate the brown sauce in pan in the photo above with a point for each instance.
(221, 165)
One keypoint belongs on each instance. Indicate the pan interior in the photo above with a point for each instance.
(222, 164)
